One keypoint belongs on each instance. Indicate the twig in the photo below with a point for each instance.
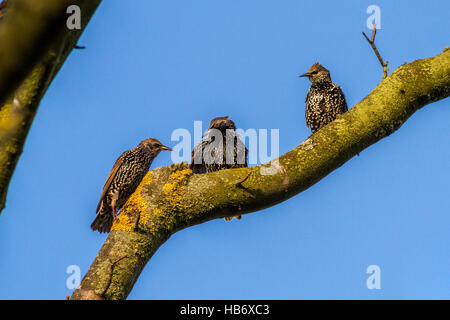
(79, 47)
(239, 184)
(111, 270)
(136, 225)
(384, 64)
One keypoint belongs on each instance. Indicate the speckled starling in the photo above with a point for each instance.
(124, 178)
(220, 149)
(325, 100)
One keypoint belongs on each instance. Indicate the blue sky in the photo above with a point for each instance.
(155, 66)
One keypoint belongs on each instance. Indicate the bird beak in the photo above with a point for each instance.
(304, 75)
(166, 148)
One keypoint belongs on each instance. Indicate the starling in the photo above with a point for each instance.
(325, 100)
(227, 152)
(124, 178)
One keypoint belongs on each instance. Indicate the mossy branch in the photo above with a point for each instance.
(172, 198)
(32, 52)
(27, 31)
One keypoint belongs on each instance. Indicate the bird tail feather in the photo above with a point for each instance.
(102, 223)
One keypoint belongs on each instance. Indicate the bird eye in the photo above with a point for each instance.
(314, 72)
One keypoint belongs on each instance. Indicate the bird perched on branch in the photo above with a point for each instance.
(124, 178)
(325, 100)
(220, 149)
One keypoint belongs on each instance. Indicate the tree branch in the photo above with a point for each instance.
(384, 64)
(111, 272)
(19, 109)
(27, 33)
(172, 198)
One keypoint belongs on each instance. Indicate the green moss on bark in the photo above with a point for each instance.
(15, 123)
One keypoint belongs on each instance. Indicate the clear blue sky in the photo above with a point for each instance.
(154, 66)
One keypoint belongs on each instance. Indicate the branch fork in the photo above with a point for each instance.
(371, 41)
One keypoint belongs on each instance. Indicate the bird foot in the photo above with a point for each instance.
(115, 214)
(231, 218)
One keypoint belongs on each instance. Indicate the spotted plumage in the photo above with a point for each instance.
(213, 155)
(128, 171)
(325, 100)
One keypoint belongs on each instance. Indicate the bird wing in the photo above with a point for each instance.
(198, 150)
(191, 165)
(240, 145)
(340, 96)
(109, 180)
(308, 124)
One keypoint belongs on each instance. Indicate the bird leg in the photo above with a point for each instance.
(113, 203)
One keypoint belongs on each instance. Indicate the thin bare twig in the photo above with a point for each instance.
(384, 64)
(239, 184)
(111, 270)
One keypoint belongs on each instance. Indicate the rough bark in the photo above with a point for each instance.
(35, 43)
(172, 198)
(27, 31)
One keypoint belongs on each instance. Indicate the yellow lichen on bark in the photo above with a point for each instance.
(134, 204)
(165, 214)
(123, 222)
(175, 187)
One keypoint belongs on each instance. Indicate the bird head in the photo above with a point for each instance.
(317, 73)
(154, 145)
(221, 123)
